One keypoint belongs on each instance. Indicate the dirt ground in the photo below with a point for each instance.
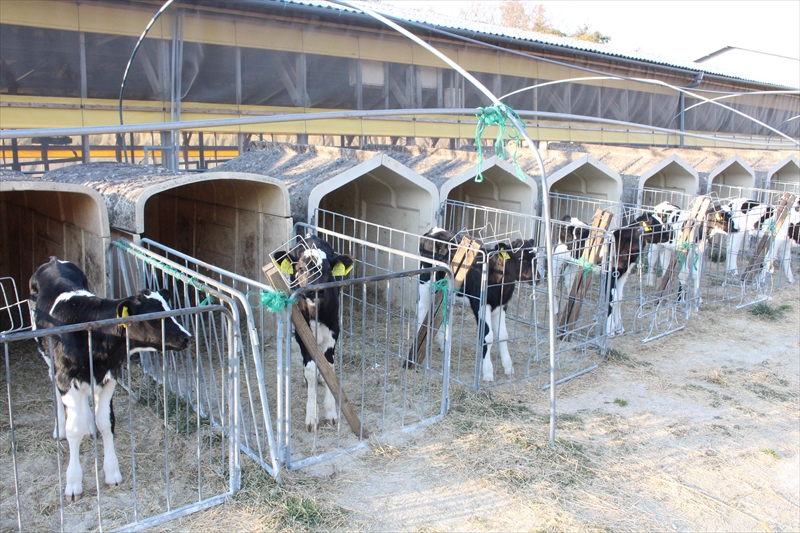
(697, 431)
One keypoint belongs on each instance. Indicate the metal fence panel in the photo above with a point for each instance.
(378, 318)
(177, 451)
(153, 265)
(744, 268)
(580, 343)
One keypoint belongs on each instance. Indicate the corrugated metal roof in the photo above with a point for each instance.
(453, 23)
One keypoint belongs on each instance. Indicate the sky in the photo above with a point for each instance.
(678, 29)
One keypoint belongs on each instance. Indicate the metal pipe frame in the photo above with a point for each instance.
(46, 336)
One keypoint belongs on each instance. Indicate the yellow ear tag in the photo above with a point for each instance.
(719, 216)
(646, 227)
(124, 314)
(505, 256)
(286, 267)
(340, 270)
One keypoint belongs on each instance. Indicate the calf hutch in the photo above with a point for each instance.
(229, 219)
(39, 219)
(499, 188)
(785, 176)
(733, 173)
(586, 178)
(672, 179)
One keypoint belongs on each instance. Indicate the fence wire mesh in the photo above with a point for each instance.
(378, 334)
(174, 434)
(521, 330)
(153, 265)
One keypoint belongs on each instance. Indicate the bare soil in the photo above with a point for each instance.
(697, 431)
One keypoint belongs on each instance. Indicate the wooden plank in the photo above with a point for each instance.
(591, 251)
(460, 264)
(757, 261)
(687, 234)
(310, 342)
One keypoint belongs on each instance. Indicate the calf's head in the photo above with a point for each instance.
(526, 250)
(313, 266)
(148, 333)
(720, 220)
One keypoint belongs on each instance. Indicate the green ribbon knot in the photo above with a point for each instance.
(496, 116)
(683, 250)
(587, 266)
(443, 286)
(274, 301)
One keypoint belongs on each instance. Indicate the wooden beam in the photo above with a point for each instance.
(460, 264)
(310, 342)
(590, 254)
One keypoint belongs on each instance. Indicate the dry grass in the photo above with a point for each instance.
(708, 441)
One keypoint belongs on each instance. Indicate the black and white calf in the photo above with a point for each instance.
(787, 237)
(507, 265)
(314, 265)
(746, 218)
(60, 296)
(662, 243)
(625, 252)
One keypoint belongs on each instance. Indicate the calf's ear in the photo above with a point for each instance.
(124, 308)
(284, 262)
(342, 265)
(166, 294)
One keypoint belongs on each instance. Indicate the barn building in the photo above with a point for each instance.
(608, 122)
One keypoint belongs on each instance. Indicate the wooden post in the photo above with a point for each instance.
(570, 314)
(460, 264)
(757, 261)
(310, 342)
(687, 235)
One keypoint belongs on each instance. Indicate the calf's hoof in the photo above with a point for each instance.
(73, 493)
(113, 479)
(330, 422)
(311, 428)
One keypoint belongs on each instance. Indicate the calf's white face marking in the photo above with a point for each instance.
(156, 296)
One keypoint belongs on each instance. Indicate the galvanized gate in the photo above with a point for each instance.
(153, 265)
(378, 329)
(581, 302)
(656, 299)
(175, 437)
(746, 275)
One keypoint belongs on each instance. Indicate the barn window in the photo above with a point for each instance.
(268, 77)
(39, 62)
(328, 82)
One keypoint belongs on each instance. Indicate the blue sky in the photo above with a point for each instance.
(685, 30)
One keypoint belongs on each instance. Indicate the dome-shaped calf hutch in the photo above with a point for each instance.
(500, 191)
(230, 220)
(581, 187)
(785, 176)
(39, 219)
(672, 179)
(731, 177)
(380, 191)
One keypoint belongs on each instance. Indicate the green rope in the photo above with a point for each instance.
(172, 271)
(274, 301)
(770, 227)
(496, 116)
(587, 266)
(683, 250)
(443, 285)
